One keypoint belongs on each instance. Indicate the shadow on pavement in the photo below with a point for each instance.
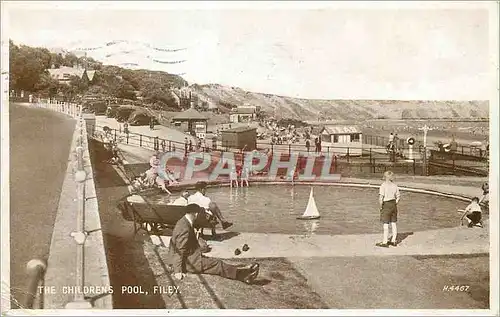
(127, 263)
(401, 236)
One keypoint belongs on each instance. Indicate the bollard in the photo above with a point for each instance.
(36, 270)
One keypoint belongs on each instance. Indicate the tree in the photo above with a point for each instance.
(124, 91)
(47, 85)
(26, 65)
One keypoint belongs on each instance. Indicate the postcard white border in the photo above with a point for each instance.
(492, 6)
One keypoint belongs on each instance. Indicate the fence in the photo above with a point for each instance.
(381, 141)
(455, 163)
(367, 160)
(162, 144)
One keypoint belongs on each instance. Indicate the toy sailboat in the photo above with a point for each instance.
(311, 209)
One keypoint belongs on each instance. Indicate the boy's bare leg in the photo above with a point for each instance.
(394, 232)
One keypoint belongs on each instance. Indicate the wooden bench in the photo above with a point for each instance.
(154, 217)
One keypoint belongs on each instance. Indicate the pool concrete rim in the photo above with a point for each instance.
(340, 184)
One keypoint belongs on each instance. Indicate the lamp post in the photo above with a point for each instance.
(426, 129)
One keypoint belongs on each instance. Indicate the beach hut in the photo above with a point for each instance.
(192, 121)
(244, 138)
(342, 139)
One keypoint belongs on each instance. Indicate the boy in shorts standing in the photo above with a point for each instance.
(388, 200)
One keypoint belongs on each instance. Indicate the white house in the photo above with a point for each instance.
(64, 74)
(341, 138)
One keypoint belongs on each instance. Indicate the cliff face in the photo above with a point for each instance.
(310, 109)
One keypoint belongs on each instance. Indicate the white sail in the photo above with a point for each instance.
(311, 209)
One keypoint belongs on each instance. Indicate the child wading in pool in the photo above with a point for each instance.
(473, 214)
(388, 200)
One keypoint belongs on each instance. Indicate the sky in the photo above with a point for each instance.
(323, 51)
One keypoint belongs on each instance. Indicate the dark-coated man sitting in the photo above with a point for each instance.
(186, 255)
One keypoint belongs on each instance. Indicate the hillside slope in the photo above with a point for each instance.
(309, 109)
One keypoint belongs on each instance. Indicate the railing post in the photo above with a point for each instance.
(80, 235)
(347, 155)
(414, 167)
(170, 146)
(36, 270)
(289, 149)
(140, 140)
(424, 170)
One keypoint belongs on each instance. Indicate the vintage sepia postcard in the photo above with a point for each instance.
(249, 158)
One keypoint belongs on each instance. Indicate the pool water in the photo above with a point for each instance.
(343, 210)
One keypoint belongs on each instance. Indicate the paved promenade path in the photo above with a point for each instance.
(40, 143)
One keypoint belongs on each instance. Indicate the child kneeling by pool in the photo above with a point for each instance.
(473, 214)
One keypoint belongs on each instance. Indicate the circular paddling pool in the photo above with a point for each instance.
(343, 210)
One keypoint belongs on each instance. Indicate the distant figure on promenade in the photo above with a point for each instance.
(473, 214)
(391, 137)
(308, 145)
(214, 143)
(185, 253)
(485, 197)
(190, 145)
(396, 142)
(125, 128)
(151, 123)
(186, 145)
(388, 200)
(453, 145)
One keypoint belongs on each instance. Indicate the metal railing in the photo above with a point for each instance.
(381, 141)
(352, 159)
(162, 144)
(80, 235)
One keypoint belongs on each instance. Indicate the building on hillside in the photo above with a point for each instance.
(176, 97)
(342, 139)
(243, 114)
(192, 122)
(243, 138)
(63, 74)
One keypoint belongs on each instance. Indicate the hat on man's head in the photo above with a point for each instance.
(201, 185)
(193, 208)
